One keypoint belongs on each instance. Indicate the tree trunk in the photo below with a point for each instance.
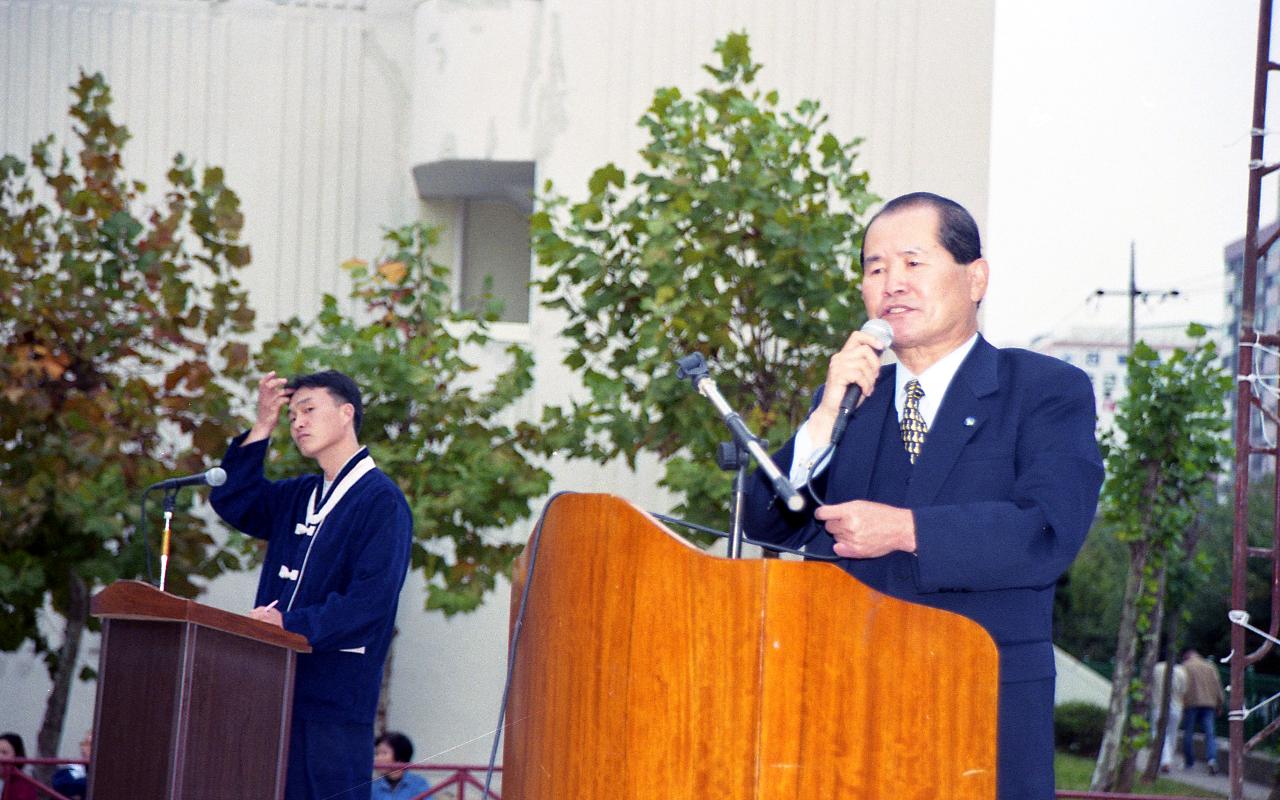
(55, 708)
(1149, 648)
(1105, 770)
(1167, 652)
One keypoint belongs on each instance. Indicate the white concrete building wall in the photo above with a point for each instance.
(318, 109)
(306, 105)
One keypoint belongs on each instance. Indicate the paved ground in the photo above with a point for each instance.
(1199, 776)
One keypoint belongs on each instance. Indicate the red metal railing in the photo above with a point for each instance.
(1109, 795)
(11, 772)
(460, 777)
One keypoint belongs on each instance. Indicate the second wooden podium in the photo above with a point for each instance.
(193, 702)
(648, 669)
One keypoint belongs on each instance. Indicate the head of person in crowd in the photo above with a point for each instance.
(392, 747)
(12, 746)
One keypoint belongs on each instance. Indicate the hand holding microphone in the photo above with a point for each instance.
(851, 375)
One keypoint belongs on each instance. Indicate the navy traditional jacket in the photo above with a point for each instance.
(347, 587)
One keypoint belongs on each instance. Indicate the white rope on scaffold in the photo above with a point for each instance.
(1241, 618)
(1264, 386)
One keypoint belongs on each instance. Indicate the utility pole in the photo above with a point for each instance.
(1134, 293)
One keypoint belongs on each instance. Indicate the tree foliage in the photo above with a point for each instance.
(1168, 444)
(118, 338)
(1087, 614)
(737, 239)
(434, 421)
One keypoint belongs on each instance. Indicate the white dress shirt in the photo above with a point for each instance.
(934, 381)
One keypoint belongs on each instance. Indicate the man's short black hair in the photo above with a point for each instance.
(401, 746)
(340, 386)
(957, 230)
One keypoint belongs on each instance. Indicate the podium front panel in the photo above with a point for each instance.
(238, 719)
(139, 690)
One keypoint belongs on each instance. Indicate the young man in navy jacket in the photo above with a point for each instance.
(337, 554)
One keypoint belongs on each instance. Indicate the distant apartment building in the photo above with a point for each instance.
(1103, 354)
(1266, 319)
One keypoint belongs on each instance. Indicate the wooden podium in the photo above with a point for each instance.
(646, 668)
(193, 702)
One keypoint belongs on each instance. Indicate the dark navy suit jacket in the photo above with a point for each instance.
(1003, 493)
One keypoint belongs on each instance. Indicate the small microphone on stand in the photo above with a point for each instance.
(214, 476)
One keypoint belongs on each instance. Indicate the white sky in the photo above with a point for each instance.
(1116, 120)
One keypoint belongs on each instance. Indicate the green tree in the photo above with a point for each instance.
(1207, 628)
(1086, 612)
(1162, 456)
(738, 239)
(433, 420)
(117, 348)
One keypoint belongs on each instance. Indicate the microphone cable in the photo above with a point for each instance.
(534, 542)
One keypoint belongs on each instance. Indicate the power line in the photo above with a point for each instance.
(1133, 292)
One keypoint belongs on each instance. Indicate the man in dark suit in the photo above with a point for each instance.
(968, 476)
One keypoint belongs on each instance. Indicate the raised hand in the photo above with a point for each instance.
(272, 396)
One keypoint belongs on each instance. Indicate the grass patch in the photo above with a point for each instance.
(1074, 772)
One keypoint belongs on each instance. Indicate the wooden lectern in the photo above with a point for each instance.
(646, 668)
(193, 702)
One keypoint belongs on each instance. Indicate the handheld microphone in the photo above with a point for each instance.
(214, 476)
(883, 332)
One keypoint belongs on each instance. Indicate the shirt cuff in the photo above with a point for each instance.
(802, 453)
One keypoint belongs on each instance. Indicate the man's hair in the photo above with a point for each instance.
(401, 746)
(957, 231)
(340, 386)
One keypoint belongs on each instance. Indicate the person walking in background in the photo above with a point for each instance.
(1200, 706)
(1177, 689)
(396, 784)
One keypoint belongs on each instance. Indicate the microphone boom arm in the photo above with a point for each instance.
(694, 368)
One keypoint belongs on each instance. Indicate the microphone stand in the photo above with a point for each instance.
(732, 456)
(745, 444)
(170, 501)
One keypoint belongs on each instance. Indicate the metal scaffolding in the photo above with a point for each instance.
(1254, 349)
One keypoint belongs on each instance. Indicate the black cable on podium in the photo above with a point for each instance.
(534, 541)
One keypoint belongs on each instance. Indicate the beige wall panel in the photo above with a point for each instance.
(304, 104)
(318, 110)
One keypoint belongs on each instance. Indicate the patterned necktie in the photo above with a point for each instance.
(913, 425)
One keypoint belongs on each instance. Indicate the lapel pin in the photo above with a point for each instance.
(969, 422)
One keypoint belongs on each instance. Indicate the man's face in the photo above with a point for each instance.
(318, 420)
(914, 284)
